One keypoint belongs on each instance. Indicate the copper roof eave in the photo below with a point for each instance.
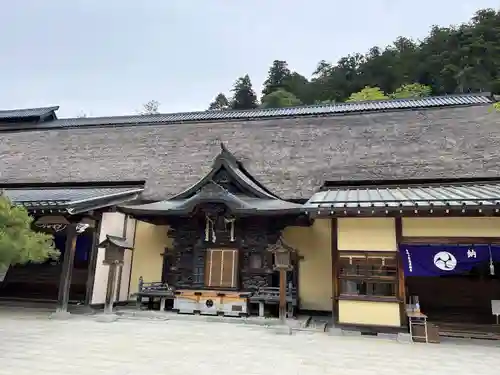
(83, 205)
(400, 210)
(214, 193)
(234, 168)
(183, 210)
(103, 202)
(458, 197)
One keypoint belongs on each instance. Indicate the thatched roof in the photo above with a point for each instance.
(291, 154)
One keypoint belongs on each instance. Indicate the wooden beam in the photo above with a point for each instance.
(440, 211)
(450, 240)
(335, 270)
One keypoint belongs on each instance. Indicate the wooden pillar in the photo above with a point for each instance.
(119, 276)
(89, 289)
(282, 301)
(111, 289)
(335, 271)
(67, 269)
(401, 293)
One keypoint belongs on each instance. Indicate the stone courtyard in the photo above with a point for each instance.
(33, 344)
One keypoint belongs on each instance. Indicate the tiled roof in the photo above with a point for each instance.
(27, 112)
(255, 114)
(432, 196)
(64, 197)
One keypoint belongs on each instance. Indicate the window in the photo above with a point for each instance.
(198, 274)
(221, 268)
(255, 261)
(368, 274)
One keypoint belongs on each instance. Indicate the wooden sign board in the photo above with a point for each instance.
(495, 307)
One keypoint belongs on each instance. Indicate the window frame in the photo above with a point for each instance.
(367, 277)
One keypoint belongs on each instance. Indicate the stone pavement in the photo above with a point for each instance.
(33, 344)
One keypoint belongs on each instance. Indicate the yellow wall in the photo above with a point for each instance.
(369, 313)
(113, 223)
(315, 274)
(369, 234)
(451, 227)
(150, 243)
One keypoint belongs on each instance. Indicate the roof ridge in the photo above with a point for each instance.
(305, 106)
(48, 109)
(322, 110)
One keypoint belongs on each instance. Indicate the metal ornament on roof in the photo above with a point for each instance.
(81, 227)
(52, 223)
(53, 227)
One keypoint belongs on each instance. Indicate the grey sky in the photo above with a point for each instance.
(107, 57)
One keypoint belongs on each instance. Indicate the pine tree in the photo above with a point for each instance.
(243, 95)
(220, 103)
(18, 242)
(277, 77)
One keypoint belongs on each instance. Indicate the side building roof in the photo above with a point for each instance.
(291, 152)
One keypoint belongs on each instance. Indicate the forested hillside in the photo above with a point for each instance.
(454, 59)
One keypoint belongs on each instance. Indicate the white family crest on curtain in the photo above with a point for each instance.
(437, 259)
(445, 261)
(471, 253)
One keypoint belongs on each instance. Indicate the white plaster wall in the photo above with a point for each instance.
(130, 231)
(127, 261)
(100, 279)
(113, 224)
(125, 281)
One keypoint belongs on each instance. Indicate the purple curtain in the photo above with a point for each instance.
(437, 260)
(82, 249)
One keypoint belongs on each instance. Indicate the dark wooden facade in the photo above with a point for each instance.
(185, 264)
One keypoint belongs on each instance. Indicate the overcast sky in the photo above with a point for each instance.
(107, 57)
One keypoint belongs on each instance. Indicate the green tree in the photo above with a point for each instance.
(300, 86)
(277, 77)
(220, 103)
(455, 59)
(243, 95)
(367, 93)
(280, 98)
(412, 90)
(18, 242)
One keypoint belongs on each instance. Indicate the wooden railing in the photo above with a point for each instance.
(271, 295)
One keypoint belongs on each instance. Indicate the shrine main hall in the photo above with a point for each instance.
(378, 203)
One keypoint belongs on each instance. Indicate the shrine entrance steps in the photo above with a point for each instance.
(469, 331)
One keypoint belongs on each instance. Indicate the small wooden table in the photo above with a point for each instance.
(417, 318)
